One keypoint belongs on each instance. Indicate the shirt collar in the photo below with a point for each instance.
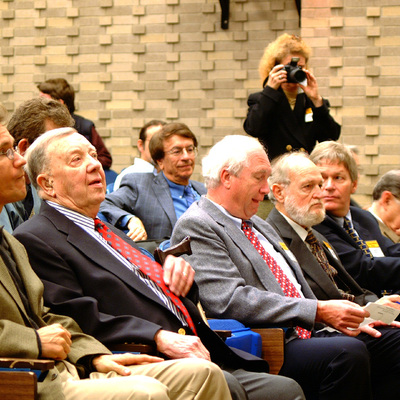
(235, 220)
(175, 187)
(77, 218)
(340, 220)
(297, 228)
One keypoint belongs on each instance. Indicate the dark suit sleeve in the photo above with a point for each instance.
(262, 106)
(65, 294)
(377, 274)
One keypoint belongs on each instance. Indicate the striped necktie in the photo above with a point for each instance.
(348, 227)
(287, 286)
(320, 255)
(149, 267)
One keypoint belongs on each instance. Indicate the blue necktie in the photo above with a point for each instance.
(189, 195)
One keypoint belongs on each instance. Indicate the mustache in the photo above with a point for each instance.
(317, 202)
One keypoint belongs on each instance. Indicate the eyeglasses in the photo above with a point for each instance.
(9, 153)
(178, 151)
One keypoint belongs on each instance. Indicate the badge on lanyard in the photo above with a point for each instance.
(309, 115)
(287, 251)
(374, 248)
(330, 250)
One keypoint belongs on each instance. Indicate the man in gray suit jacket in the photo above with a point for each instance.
(245, 271)
(295, 190)
(386, 205)
(148, 206)
(30, 330)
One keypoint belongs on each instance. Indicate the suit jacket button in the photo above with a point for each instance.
(182, 331)
(54, 376)
(289, 147)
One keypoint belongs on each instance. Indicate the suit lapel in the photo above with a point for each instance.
(259, 266)
(27, 275)
(163, 195)
(88, 246)
(291, 120)
(305, 258)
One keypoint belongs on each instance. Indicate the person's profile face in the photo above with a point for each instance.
(76, 178)
(12, 182)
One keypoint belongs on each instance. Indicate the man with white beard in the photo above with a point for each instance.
(296, 190)
(295, 184)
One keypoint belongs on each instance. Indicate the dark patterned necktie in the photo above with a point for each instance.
(353, 234)
(320, 255)
(287, 286)
(149, 267)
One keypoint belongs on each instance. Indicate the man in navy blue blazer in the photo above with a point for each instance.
(372, 259)
(148, 206)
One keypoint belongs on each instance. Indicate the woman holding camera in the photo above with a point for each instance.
(289, 113)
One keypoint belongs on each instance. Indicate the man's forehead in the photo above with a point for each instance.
(331, 164)
(305, 172)
(5, 137)
(72, 140)
(174, 139)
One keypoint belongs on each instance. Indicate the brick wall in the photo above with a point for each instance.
(134, 60)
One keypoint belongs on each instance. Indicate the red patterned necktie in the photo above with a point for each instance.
(287, 286)
(149, 267)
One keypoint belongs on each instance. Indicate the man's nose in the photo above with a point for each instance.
(265, 188)
(318, 192)
(19, 160)
(93, 162)
(328, 184)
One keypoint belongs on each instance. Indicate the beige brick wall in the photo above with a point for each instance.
(134, 60)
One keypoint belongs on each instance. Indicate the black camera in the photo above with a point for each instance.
(295, 74)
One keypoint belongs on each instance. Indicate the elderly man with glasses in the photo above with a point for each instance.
(148, 206)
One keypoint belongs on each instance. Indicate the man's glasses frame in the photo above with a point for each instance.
(178, 151)
(10, 153)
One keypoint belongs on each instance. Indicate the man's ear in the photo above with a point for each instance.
(278, 190)
(46, 184)
(354, 186)
(140, 145)
(226, 178)
(22, 145)
(160, 164)
(386, 198)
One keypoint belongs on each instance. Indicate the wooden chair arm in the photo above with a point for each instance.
(273, 341)
(26, 363)
(133, 348)
(223, 334)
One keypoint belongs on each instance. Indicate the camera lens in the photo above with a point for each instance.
(298, 75)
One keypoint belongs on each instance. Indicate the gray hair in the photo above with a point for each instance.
(335, 152)
(37, 157)
(390, 182)
(280, 169)
(232, 154)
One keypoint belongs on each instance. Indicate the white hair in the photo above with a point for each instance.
(232, 154)
(37, 157)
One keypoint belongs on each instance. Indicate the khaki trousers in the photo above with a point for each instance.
(185, 379)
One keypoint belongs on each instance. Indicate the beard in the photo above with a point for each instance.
(303, 215)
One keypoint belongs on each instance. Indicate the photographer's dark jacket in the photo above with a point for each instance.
(281, 129)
